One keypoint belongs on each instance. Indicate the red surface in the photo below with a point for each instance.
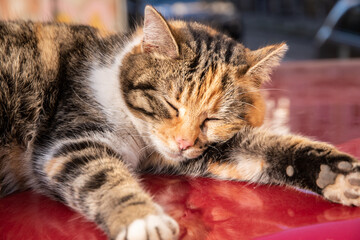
(319, 101)
(347, 229)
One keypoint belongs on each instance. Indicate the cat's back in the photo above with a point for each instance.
(34, 62)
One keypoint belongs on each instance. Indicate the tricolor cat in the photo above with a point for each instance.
(82, 115)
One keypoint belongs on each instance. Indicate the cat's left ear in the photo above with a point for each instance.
(158, 37)
(263, 60)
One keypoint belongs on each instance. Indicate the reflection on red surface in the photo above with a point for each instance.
(30, 216)
(213, 210)
(209, 209)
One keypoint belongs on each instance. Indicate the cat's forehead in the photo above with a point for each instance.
(207, 44)
(205, 92)
(207, 79)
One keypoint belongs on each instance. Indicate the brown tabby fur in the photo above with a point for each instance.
(82, 114)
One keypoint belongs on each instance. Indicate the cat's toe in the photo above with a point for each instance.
(345, 189)
(152, 227)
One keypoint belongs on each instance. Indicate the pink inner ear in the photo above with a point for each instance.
(148, 48)
(157, 35)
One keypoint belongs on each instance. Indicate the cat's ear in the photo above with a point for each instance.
(263, 60)
(158, 37)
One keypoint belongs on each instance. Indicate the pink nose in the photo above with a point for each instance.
(184, 143)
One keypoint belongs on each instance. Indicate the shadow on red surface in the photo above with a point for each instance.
(210, 209)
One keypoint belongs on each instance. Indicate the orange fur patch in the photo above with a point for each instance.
(54, 166)
(49, 49)
(244, 171)
(256, 113)
(225, 170)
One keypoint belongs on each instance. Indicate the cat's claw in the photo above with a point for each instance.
(152, 227)
(346, 187)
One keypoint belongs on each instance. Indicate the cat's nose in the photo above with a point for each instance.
(183, 143)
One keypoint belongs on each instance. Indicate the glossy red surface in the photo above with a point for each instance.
(319, 99)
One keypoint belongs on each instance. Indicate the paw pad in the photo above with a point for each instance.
(354, 181)
(345, 189)
(290, 171)
(344, 166)
(326, 176)
(334, 198)
(351, 195)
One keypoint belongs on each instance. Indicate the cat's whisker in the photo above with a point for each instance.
(249, 104)
(265, 89)
(149, 155)
(82, 100)
(274, 89)
(130, 133)
(144, 149)
(136, 135)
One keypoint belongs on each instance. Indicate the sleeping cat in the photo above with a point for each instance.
(82, 115)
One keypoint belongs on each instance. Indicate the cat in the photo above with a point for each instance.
(82, 115)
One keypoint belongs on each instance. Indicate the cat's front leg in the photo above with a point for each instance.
(92, 178)
(257, 155)
(262, 156)
(330, 172)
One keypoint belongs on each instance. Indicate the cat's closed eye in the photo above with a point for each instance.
(173, 107)
(202, 126)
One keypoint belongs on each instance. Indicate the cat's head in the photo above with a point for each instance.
(189, 86)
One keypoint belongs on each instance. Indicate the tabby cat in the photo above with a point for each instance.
(82, 114)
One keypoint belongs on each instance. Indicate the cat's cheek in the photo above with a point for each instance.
(161, 142)
(256, 114)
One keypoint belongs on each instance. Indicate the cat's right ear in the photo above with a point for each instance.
(264, 60)
(158, 37)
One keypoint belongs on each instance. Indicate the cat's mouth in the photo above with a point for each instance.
(172, 152)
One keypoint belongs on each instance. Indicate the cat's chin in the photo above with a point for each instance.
(178, 157)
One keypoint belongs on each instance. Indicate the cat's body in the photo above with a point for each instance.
(82, 114)
(44, 69)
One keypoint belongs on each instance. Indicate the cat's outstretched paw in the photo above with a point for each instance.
(345, 189)
(340, 180)
(152, 227)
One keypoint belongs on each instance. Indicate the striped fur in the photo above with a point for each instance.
(83, 114)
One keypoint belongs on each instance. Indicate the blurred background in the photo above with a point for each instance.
(312, 28)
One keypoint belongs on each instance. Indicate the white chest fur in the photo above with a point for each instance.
(105, 84)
